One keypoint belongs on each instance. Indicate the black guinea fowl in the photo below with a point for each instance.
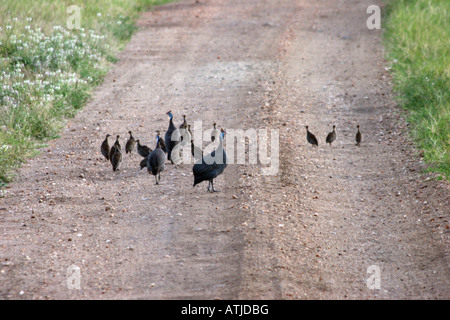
(311, 138)
(210, 167)
(143, 163)
(114, 147)
(131, 142)
(104, 148)
(331, 136)
(358, 137)
(161, 141)
(142, 150)
(171, 137)
(156, 161)
(116, 158)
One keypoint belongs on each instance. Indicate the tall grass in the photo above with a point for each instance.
(47, 71)
(417, 37)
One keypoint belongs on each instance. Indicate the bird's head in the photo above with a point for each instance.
(306, 127)
(108, 135)
(169, 113)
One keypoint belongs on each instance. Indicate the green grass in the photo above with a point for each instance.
(48, 71)
(417, 38)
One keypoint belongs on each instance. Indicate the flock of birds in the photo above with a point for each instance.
(311, 138)
(205, 167)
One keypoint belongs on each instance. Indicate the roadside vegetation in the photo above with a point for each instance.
(417, 37)
(48, 69)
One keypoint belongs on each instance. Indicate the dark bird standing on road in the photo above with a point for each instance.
(331, 136)
(114, 147)
(161, 141)
(143, 151)
(116, 158)
(210, 167)
(143, 163)
(156, 161)
(358, 137)
(105, 147)
(311, 138)
(129, 146)
(171, 139)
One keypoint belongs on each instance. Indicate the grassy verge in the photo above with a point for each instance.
(48, 68)
(417, 35)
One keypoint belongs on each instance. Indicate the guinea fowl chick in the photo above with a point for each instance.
(358, 137)
(105, 149)
(114, 147)
(331, 136)
(184, 124)
(143, 151)
(311, 138)
(143, 163)
(116, 159)
(197, 152)
(129, 146)
(215, 133)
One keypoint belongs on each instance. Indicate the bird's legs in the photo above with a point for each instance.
(156, 179)
(212, 184)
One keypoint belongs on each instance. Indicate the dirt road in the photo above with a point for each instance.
(309, 232)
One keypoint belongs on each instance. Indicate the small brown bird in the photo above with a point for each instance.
(114, 147)
(116, 158)
(105, 147)
(143, 151)
(184, 124)
(358, 137)
(129, 146)
(215, 133)
(311, 138)
(331, 136)
(143, 163)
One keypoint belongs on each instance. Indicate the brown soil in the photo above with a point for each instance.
(309, 232)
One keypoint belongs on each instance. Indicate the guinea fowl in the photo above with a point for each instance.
(114, 147)
(197, 152)
(116, 158)
(331, 136)
(215, 133)
(105, 147)
(161, 141)
(358, 137)
(143, 151)
(184, 124)
(171, 137)
(311, 138)
(129, 146)
(210, 167)
(143, 163)
(156, 161)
